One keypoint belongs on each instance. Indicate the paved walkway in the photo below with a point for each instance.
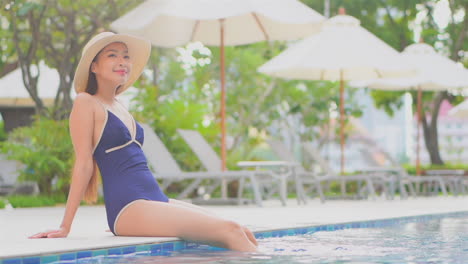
(89, 228)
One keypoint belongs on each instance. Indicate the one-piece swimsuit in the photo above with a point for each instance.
(126, 177)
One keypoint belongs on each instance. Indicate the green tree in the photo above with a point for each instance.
(169, 99)
(55, 31)
(394, 22)
(8, 58)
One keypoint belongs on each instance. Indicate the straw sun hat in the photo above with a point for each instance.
(138, 49)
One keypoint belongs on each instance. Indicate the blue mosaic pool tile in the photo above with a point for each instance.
(155, 249)
(129, 250)
(84, 254)
(32, 260)
(180, 245)
(259, 236)
(49, 259)
(191, 245)
(291, 232)
(143, 248)
(168, 247)
(99, 252)
(311, 230)
(217, 249)
(67, 256)
(279, 233)
(11, 261)
(114, 251)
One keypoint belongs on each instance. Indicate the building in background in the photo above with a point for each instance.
(452, 135)
(376, 139)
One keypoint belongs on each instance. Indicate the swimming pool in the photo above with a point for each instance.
(418, 239)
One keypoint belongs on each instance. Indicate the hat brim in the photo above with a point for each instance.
(139, 50)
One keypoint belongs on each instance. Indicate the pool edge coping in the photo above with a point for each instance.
(163, 247)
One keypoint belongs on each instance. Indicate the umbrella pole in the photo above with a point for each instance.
(418, 125)
(223, 109)
(342, 119)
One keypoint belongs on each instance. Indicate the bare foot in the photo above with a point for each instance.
(250, 235)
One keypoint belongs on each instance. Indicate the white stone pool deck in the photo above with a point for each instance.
(89, 228)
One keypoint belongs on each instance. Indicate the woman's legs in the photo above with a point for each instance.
(247, 231)
(191, 206)
(150, 218)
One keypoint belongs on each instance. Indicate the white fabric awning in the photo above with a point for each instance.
(435, 72)
(171, 23)
(341, 49)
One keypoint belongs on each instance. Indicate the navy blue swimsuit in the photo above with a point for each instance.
(124, 169)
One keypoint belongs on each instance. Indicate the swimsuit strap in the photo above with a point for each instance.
(106, 116)
(101, 103)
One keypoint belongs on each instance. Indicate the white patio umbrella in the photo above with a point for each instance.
(14, 94)
(171, 23)
(342, 50)
(461, 110)
(435, 72)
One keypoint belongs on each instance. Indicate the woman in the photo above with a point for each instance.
(105, 134)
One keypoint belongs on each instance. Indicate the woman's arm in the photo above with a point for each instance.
(81, 131)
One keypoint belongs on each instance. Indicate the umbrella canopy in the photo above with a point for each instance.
(342, 50)
(171, 23)
(434, 72)
(14, 94)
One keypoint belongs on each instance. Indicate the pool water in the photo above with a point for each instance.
(443, 240)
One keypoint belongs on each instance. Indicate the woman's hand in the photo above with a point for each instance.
(62, 232)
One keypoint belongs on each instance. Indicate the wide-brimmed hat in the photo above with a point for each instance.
(139, 50)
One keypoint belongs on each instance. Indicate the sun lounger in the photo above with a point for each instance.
(166, 168)
(315, 180)
(212, 163)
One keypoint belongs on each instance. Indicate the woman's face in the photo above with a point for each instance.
(113, 64)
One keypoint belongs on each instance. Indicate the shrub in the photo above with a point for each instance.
(30, 201)
(3, 134)
(448, 166)
(46, 150)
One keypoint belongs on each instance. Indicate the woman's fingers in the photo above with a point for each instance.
(38, 235)
(51, 234)
(55, 234)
